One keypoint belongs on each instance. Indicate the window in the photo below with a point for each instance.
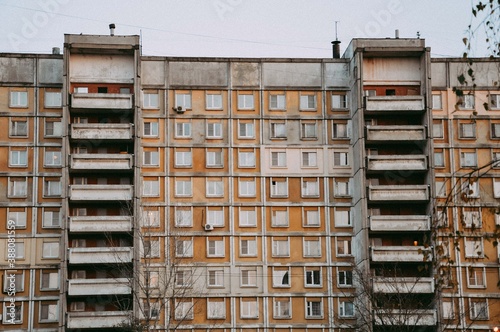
(467, 130)
(282, 308)
(470, 188)
(213, 101)
(281, 248)
(150, 218)
(52, 187)
(248, 247)
(246, 130)
(151, 248)
(50, 280)
(344, 278)
(183, 310)
(440, 188)
(342, 188)
(18, 187)
(18, 99)
(246, 158)
(346, 308)
(341, 159)
(214, 188)
(341, 130)
(150, 100)
(153, 309)
(214, 158)
(279, 218)
(339, 101)
(437, 130)
(313, 277)
(311, 218)
(183, 100)
(448, 310)
(183, 217)
(215, 278)
(496, 187)
(439, 158)
(277, 102)
(278, 130)
(471, 217)
(246, 187)
(344, 247)
(53, 99)
(479, 309)
(18, 158)
(51, 218)
(247, 217)
(216, 309)
(278, 159)
(19, 128)
(314, 309)
(436, 102)
(183, 278)
(279, 188)
(308, 102)
(183, 129)
(468, 159)
(52, 158)
(496, 157)
(473, 247)
(312, 248)
(81, 89)
(183, 158)
(151, 129)
(310, 188)
(494, 101)
(17, 282)
(308, 130)
(17, 311)
(48, 312)
(245, 101)
(19, 247)
(77, 306)
(466, 101)
(342, 218)
(215, 216)
(309, 159)
(248, 277)
(476, 277)
(151, 188)
(19, 217)
(281, 277)
(214, 130)
(151, 158)
(215, 248)
(183, 248)
(249, 308)
(183, 188)
(53, 128)
(495, 130)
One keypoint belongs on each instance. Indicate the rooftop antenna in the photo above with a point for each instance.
(418, 34)
(336, 44)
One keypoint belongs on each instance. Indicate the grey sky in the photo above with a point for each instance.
(234, 28)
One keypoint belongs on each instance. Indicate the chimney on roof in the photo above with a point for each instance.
(397, 33)
(112, 29)
(56, 50)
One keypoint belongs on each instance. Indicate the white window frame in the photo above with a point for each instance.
(341, 159)
(494, 101)
(213, 101)
(53, 280)
(18, 282)
(246, 101)
(52, 188)
(248, 277)
(214, 159)
(247, 218)
(183, 278)
(216, 309)
(150, 129)
(437, 102)
(344, 278)
(343, 247)
(18, 157)
(183, 158)
(19, 217)
(215, 216)
(18, 319)
(279, 188)
(309, 159)
(343, 218)
(183, 216)
(479, 309)
(151, 248)
(278, 130)
(247, 187)
(468, 159)
(214, 130)
(52, 99)
(439, 159)
(183, 99)
(18, 99)
(53, 216)
(183, 130)
(279, 217)
(339, 101)
(246, 159)
(278, 159)
(18, 188)
(184, 188)
(52, 158)
(216, 248)
(215, 277)
(248, 247)
(249, 309)
(311, 308)
(308, 102)
(150, 217)
(277, 101)
(467, 101)
(246, 130)
(53, 128)
(341, 130)
(282, 309)
(476, 277)
(50, 250)
(186, 245)
(311, 248)
(308, 220)
(184, 310)
(473, 248)
(150, 100)
(214, 188)
(495, 130)
(280, 247)
(18, 128)
(437, 129)
(467, 130)
(282, 278)
(151, 158)
(346, 308)
(20, 249)
(342, 188)
(308, 130)
(310, 188)
(448, 309)
(151, 188)
(313, 277)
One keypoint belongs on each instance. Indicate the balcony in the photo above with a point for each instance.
(96, 319)
(99, 286)
(100, 161)
(398, 193)
(385, 104)
(90, 224)
(396, 163)
(400, 254)
(102, 131)
(406, 317)
(101, 100)
(400, 223)
(101, 192)
(395, 134)
(100, 255)
(403, 285)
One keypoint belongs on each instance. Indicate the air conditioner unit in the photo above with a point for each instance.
(179, 109)
(209, 227)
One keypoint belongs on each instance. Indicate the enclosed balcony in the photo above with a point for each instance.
(100, 255)
(400, 223)
(100, 192)
(96, 319)
(395, 134)
(398, 193)
(396, 163)
(102, 131)
(385, 104)
(401, 254)
(403, 285)
(104, 161)
(102, 100)
(99, 286)
(90, 224)
(406, 317)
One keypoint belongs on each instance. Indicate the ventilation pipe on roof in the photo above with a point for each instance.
(112, 29)
(56, 50)
(336, 44)
(397, 33)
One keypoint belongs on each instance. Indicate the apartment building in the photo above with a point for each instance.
(231, 194)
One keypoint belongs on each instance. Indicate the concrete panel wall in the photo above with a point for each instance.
(337, 74)
(486, 73)
(245, 74)
(403, 70)
(153, 73)
(198, 74)
(292, 74)
(438, 74)
(90, 68)
(50, 71)
(17, 70)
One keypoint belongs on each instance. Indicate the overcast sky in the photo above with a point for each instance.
(235, 28)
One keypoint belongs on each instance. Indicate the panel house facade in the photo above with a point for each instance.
(234, 194)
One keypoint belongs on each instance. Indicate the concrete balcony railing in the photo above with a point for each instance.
(396, 163)
(96, 319)
(400, 254)
(403, 285)
(102, 131)
(399, 223)
(91, 224)
(100, 255)
(100, 192)
(408, 317)
(102, 100)
(101, 161)
(395, 103)
(395, 134)
(99, 286)
(398, 193)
